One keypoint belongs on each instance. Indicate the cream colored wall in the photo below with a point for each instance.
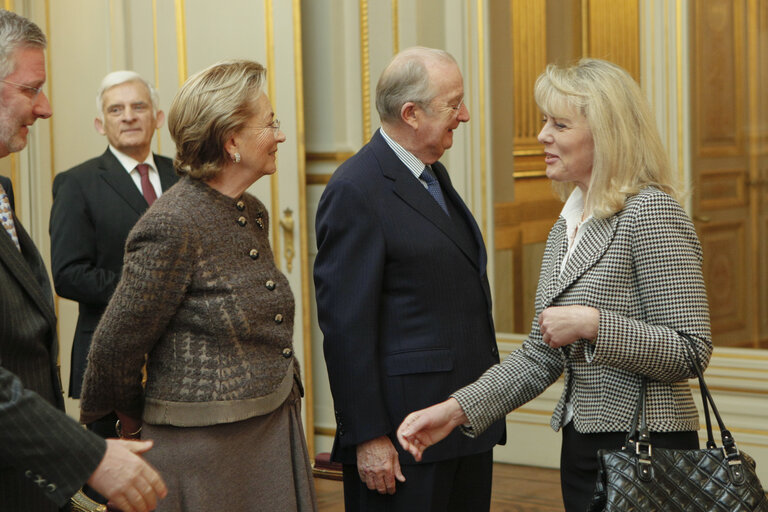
(92, 37)
(165, 42)
(347, 44)
(334, 40)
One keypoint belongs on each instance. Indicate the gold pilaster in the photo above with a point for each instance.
(306, 320)
(181, 41)
(157, 67)
(365, 71)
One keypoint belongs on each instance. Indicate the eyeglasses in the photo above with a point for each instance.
(457, 108)
(275, 125)
(35, 91)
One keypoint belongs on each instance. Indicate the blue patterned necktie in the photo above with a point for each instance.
(433, 187)
(6, 216)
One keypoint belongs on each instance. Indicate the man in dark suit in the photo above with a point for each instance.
(95, 205)
(403, 298)
(45, 456)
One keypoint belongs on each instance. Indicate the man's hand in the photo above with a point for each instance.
(378, 465)
(421, 429)
(126, 479)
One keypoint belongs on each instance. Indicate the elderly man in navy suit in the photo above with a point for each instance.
(403, 297)
(95, 205)
(45, 456)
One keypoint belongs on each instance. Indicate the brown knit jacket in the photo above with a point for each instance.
(201, 296)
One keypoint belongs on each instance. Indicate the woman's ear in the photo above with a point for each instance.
(230, 145)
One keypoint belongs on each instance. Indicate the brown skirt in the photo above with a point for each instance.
(257, 464)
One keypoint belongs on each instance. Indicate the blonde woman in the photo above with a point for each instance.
(620, 280)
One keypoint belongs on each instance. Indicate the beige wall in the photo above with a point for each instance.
(323, 93)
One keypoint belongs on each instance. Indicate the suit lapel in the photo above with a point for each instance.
(592, 246)
(28, 269)
(167, 174)
(407, 188)
(445, 183)
(116, 177)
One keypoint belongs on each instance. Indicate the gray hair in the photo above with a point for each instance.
(121, 77)
(405, 79)
(17, 32)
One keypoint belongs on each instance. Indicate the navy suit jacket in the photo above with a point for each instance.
(95, 206)
(44, 455)
(403, 301)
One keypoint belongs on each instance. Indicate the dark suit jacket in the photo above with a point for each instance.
(403, 301)
(95, 205)
(42, 451)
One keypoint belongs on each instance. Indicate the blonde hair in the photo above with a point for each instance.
(211, 106)
(628, 152)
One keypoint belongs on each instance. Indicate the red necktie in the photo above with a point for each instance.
(146, 187)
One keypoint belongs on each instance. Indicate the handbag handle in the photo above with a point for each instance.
(729, 445)
(643, 444)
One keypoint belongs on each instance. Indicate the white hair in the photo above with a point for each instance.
(121, 77)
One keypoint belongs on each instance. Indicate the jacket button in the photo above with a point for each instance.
(242, 221)
(240, 205)
(287, 353)
(278, 318)
(494, 351)
(270, 285)
(254, 254)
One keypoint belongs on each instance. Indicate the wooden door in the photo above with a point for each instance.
(729, 127)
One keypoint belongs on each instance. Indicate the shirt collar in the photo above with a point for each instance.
(574, 209)
(413, 164)
(128, 163)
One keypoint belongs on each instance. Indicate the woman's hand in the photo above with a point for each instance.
(422, 429)
(127, 426)
(562, 325)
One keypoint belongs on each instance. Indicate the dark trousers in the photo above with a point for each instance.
(578, 459)
(455, 485)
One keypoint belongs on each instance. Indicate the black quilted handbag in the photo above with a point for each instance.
(642, 478)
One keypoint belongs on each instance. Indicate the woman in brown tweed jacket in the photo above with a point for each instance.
(201, 296)
(620, 279)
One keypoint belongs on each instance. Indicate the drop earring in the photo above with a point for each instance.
(236, 157)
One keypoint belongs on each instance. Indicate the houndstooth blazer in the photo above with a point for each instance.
(641, 268)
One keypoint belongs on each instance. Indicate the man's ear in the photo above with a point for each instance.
(99, 125)
(159, 119)
(408, 114)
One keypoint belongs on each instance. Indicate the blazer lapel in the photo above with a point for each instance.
(114, 174)
(592, 246)
(445, 182)
(28, 269)
(412, 192)
(168, 176)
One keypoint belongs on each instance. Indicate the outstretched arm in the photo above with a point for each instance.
(126, 479)
(421, 429)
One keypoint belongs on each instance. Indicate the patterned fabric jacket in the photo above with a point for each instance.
(201, 295)
(641, 268)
